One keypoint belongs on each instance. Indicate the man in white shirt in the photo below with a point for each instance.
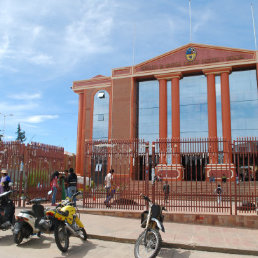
(108, 184)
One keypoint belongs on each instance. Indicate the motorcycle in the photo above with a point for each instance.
(7, 210)
(67, 222)
(149, 241)
(31, 222)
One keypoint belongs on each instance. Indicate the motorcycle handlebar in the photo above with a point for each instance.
(146, 198)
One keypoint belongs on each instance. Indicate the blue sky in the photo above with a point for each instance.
(46, 45)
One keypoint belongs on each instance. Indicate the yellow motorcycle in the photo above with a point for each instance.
(66, 221)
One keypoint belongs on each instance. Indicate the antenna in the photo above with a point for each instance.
(252, 10)
(190, 16)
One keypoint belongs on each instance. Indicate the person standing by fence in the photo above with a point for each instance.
(4, 182)
(218, 191)
(108, 187)
(66, 182)
(71, 182)
(166, 191)
(53, 183)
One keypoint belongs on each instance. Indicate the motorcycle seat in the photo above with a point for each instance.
(28, 212)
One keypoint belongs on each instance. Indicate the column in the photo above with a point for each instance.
(79, 133)
(163, 119)
(212, 118)
(83, 131)
(226, 116)
(175, 106)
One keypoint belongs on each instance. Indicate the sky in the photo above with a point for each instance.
(46, 45)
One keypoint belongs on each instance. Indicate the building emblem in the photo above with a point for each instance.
(190, 54)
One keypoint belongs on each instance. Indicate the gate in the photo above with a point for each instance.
(192, 168)
(130, 161)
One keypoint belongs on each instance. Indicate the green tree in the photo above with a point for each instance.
(20, 134)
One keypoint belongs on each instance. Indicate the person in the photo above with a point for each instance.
(108, 187)
(218, 191)
(66, 182)
(166, 190)
(5, 180)
(53, 183)
(62, 184)
(71, 183)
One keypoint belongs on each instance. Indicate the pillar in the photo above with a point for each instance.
(175, 106)
(79, 132)
(226, 116)
(163, 119)
(212, 118)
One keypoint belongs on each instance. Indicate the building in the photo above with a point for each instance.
(193, 91)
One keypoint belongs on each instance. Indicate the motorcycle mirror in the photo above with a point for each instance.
(49, 192)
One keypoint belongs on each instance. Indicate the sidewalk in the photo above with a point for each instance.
(177, 235)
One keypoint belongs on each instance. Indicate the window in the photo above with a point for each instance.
(100, 117)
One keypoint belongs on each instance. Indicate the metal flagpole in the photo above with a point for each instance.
(190, 15)
(252, 10)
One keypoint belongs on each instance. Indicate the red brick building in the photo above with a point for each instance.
(205, 64)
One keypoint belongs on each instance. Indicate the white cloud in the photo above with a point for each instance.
(26, 96)
(4, 45)
(39, 118)
(41, 59)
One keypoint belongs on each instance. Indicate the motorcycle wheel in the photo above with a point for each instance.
(18, 237)
(152, 246)
(83, 235)
(61, 238)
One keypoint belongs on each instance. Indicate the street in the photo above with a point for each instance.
(46, 247)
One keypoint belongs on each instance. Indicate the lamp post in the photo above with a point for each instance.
(5, 115)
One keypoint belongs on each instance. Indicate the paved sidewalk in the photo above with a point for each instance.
(187, 236)
(178, 235)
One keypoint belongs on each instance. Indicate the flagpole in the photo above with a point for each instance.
(252, 10)
(190, 16)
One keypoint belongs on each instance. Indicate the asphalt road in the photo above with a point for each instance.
(45, 247)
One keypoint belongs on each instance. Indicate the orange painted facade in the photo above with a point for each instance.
(172, 66)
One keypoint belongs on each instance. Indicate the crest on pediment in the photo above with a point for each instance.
(195, 54)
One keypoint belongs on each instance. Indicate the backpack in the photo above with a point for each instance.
(219, 190)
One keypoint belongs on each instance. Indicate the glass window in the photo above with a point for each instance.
(148, 110)
(100, 115)
(193, 107)
(244, 103)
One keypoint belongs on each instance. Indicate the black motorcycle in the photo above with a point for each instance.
(7, 210)
(148, 243)
(31, 222)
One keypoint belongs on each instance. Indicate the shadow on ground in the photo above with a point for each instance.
(172, 253)
(78, 250)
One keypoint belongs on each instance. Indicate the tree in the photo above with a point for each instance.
(20, 134)
(1, 136)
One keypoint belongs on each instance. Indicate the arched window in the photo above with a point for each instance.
(101, 115)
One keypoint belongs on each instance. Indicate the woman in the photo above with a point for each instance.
(53, 183)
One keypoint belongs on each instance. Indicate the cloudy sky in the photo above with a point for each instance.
(46, 45)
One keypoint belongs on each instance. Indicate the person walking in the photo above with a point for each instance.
(166, 191)
(108, 187)
(53, 183)
(71, 183)
(218, 191)
(4, 182)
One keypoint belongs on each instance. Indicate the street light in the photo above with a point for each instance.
(5, 115)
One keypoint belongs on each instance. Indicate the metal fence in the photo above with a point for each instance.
(30, 166)
(193, 169)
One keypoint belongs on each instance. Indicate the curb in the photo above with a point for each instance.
(178, 245)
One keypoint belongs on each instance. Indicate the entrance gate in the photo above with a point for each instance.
(135, 164)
